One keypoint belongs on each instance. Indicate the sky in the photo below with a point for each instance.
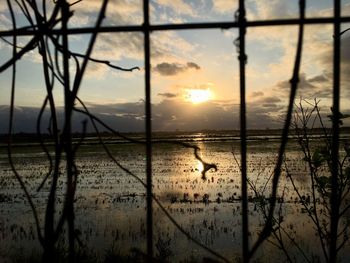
(195, 74)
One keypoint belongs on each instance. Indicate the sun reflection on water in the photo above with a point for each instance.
(199, 166)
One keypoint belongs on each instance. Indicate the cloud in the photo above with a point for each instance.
(164, 45)
(167, 69)
(171, 114)
(193, 65)
(271, 100)
(171, 45)
(182, 11)
(3, 8)
(225, 6)
(327, 61)
(172, 69)
(321, 85)
(255, 94)
(119, 12)
(96, 71)
(179, 6)
(319, 79)
(268, 104)
(317, 62)
(117, 46)
(5, 23)
(168, 115)
(272, 9)
(259, 98)
(167, 95)
(308, 87)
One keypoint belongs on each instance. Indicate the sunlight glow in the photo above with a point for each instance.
(196, 96)
(200, 166)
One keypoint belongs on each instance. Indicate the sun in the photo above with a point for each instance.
(196, 96)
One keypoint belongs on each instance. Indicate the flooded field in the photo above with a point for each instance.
(111, 205)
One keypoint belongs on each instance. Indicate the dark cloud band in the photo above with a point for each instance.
(172, 69)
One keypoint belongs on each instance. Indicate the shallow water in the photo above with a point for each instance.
(110, 204)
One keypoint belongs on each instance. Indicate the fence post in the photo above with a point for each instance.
(335, 135)
(148, 129)
(243, 126)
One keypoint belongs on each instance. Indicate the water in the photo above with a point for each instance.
(110, 204)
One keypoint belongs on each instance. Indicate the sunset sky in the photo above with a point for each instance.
(195, 77)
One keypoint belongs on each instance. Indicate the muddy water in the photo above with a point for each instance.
(110, 204)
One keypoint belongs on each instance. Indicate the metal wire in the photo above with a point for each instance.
(29, 31)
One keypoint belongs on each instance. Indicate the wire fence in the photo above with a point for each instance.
(48, 28)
